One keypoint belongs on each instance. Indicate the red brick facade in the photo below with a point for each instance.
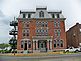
(74, 36)
(41, 34)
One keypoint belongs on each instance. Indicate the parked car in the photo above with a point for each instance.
(72, 49)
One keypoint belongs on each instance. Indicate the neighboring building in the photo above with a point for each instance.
(74, 36)
(41, 30)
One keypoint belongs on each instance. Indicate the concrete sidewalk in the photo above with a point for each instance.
(33, 54)
(38, 54)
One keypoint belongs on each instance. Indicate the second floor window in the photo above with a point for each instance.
(57, 32)
(57, 23)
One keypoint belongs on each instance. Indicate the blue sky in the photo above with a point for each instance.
(9, 8)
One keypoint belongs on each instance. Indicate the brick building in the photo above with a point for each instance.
(74, 35)
(41, 30)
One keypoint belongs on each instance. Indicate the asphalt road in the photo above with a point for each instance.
(68, 57)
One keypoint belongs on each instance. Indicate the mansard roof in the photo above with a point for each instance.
(35, 13)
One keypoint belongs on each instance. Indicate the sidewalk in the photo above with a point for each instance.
(37, 54)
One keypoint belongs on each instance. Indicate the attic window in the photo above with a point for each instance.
(57, 15)
(29, 15)
(24, 16)
(53, 16)
(41, 14)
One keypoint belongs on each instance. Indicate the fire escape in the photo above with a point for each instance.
(13, 40)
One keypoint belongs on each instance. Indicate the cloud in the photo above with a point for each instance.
(4, 28)
(4, 19)
(9, 8)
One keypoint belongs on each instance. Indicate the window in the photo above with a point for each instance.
(29, 15)
(61, 43)
(55, 32)
(42, 24)
(41, 45)
(46, 24)
(46, 31)
(59, 24)
(22, 44)
(27, 34)
(53, 16)
(24, 15)
(29, 44)
(24, 31)
(54, 43)
(23, 34)
(37, 30)
(41, 14)
(57, 15)
(27, 30)
(58, 43)
(55, 24)
(58, 34)
(35, 45)
(27, 25)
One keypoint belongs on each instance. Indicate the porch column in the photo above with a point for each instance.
(36, 44)
(27, 45)
(51, 44)
(48, 44)
(33, 44)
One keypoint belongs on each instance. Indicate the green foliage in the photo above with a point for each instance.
(13, 43)
(2, 46)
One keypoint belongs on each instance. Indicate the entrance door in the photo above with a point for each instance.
(43, 45)
(25, 47)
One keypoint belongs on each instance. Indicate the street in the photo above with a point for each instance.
(67, 57)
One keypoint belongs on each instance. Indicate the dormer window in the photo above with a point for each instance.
(57, 15)
(53, 16)
(41, 14)
(29, 15)
(24, 15)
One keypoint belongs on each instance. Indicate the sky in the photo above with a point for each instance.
(71, 10)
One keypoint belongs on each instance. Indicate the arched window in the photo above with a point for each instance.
(58, 43)
(55, 43)
(29, 44)
(22, 44)
(41, 14)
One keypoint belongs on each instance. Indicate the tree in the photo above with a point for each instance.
(13, 43)
(3, 45)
